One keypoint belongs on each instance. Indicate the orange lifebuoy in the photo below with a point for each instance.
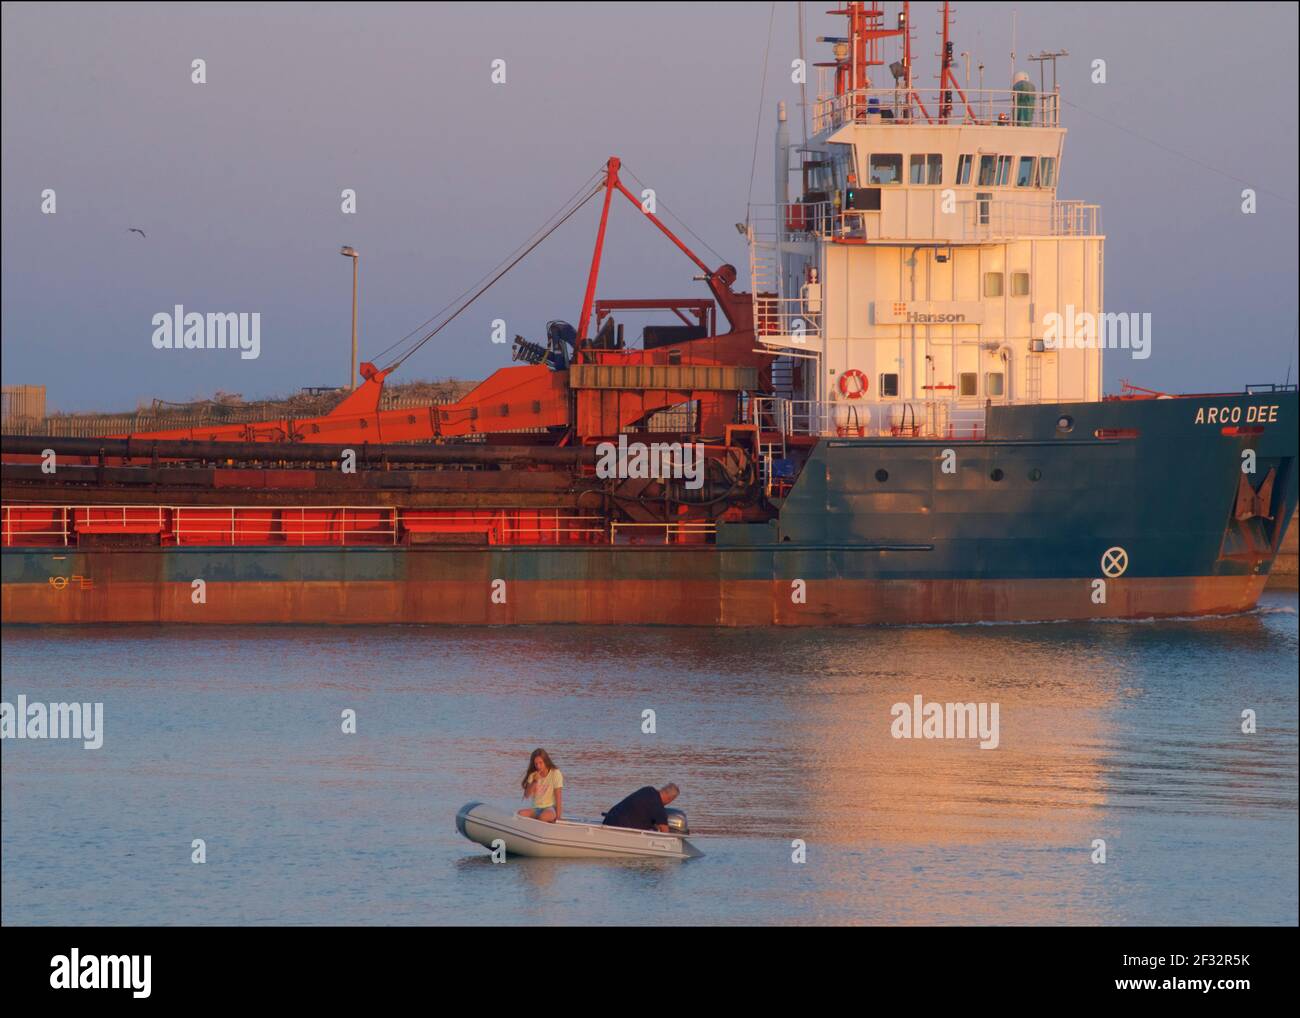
(858, 389)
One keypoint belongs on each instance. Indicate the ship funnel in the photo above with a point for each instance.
(782, 156)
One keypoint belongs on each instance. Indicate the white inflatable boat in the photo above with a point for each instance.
(571, 838)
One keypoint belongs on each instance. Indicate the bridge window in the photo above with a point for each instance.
(969, 382)
(889, 384)
(818, 176)
(927, 169)
(993, 284)
(963, 168)
(1025, 172)
(886, 168)
(988, 170)
(1020, 284)
(984, 205)
(994, 383)
(1004, 171)
(1047, 171)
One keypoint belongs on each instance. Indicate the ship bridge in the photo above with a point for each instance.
(917, 264)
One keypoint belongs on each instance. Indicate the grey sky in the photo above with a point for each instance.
(236, 182)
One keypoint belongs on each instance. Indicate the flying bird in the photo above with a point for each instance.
(135, 229)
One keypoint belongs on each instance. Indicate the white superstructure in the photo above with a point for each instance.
(915, 256)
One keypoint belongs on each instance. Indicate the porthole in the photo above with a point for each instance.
(1035, 474)
(997, 474)
(882, 475)
(1065, 423)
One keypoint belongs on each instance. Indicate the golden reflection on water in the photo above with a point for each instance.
(1044, 778)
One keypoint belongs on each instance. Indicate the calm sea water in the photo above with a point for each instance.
(1129, 733)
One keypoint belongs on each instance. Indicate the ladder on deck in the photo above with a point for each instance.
(783, 377)
(764, 266)
(777, 422)
(1034, 378)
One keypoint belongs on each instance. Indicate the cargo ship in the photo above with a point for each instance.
(890, 425)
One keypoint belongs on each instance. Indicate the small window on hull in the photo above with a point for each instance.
(993, 284)
(969, 383)
(1020, 284)
(889, 384)
(994, 382)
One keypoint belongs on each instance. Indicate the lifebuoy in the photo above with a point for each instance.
(857, 389)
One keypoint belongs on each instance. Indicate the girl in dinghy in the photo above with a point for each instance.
(544, 784)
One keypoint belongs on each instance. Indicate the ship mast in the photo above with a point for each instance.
(947, 79)
(855, 55)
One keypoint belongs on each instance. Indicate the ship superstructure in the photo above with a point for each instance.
(917, 246)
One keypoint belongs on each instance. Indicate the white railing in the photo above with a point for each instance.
(324, 525)
(764, 263)
(795, 221)
(8, 530)
(901, 107)
(509, 529)
(990, 218)
(786, 318)
(945, 419)
(262, 526)
(975, 219)
(778, 316)
(668, 533)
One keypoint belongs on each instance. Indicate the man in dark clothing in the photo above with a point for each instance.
(643, 810)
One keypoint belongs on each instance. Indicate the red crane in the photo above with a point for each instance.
(536, 396)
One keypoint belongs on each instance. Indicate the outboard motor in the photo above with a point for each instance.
(677, 821)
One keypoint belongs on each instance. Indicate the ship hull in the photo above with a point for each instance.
(1139, 509)
(460, 587)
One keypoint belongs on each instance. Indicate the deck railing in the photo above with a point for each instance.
(941, 419)
(902, 107)
(673, 532)
(97, 425)
(786, 317)
(974, 219)
(998, 218)
(263, 526)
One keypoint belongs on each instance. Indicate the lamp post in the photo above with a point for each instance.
(350, 252)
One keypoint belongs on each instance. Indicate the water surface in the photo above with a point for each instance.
(1127, 732)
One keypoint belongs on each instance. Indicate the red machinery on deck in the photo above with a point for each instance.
(511, 462)
(602, 392)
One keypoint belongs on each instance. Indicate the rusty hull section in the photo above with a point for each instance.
(475, 586)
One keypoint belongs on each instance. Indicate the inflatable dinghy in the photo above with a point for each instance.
(571, 837)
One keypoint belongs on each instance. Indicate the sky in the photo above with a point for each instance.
(237, 182)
